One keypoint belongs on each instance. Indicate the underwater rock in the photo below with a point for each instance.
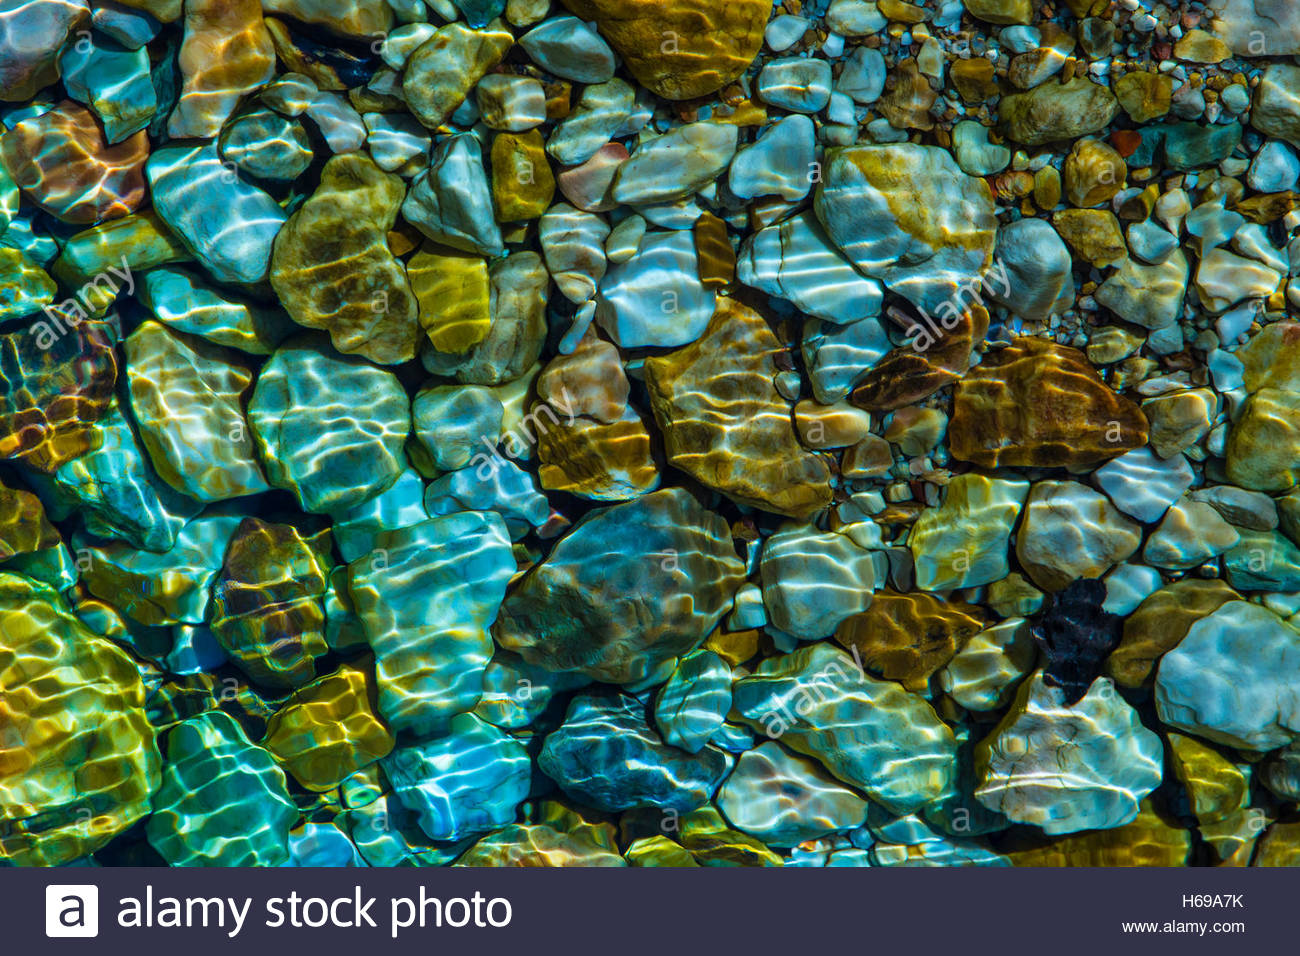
(1069, 532)
(1076, 634)
(81, 698)
(606, 755)
(907, 637)
(112, 81)
(656, 297)
(442, 71)
(1160, 622)
(453, 421)
(536, 845)
(693, 702)
(266, 145)
(812, 581)
(223, 801)
(869, 733)
(983, 673)
(965, 541)
(568, 48)
(676, 164)
(451, 201)
(186, 303)
(31, 36)
(629, 588)
(332, 267)
(702, 393)
(1065, 768)
(226, 53)
(187, 399)
(330, 428)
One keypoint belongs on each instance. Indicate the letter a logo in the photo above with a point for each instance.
(71, 910)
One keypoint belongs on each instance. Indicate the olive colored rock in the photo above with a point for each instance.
(1148, 841)
(442, 70)
(725, 424)
(1037, 403)
(1092, 233)
(965, 541)
(1215, 785)
(913, 372)
(1263, 448)
(24, 529)
(630, 587)
(1271, 358)
(907, 637)
(187, 397)
(226, 53)
(1094, 173)
(537, 845)
(1144, 95)
(1000, 11)
(332, 268)
(1159, 623)
(453, 291)
(1082, 767)
(522, 182)
(267, 607)
(600, 460)
(78, 761)
(1057, 111)
(683, 50)
(1180, 419)
(983, 674)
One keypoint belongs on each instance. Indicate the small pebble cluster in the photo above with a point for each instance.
(649, 432)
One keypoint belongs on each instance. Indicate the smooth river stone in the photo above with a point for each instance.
(112, 81)
(464, 784)
(1057, 111)
(602, 110)
(267, 610)
(442, 71)
(64, 164)
(777, 163)
(266, 145)
(116, 491)
(630, 587)
(725, 424)
(871, 734)
(603, 461)
(228, 225)
(426, 595)
(24, 287)
(683, 51)
(568, 48)
(785, 799)
(78, 762)
(676, 164)
(226, 53)
(31, 36)
(332, 268)
(24, 529)
(983, 673)
(965, 541)
(53, 393)
(1144, 485)
(1231, 679)
(331, 454)
(328, 730)
(908, 216)
(139, 242)
(187, 398)
(656, 298)
(814, 580)
(452, 420)
(693, 702)
(1069, 531)
(223, 800)
(607, 756)
(573, 245)
(794, 260)
(451, 201)
(187, 303)
(1038, 403)
(1064, 769)
(1263, 448)
(510, 491)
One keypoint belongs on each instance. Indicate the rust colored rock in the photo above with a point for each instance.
(1036, 403)
(906, 376)
(603, 461)
(907, 637)
(62, 162)
(725, 424)
(226, 53)
(684, 49)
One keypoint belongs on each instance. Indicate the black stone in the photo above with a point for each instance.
(1076, 636)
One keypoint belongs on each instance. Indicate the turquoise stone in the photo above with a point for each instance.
(399, 506)
(869, 733)
(24, 286)
(607, 756)
(451, 201)
(266, 145)
(321, 844)
(784, 799)
(507, 489)
(466, 783)
(116, 491)
(184, 301)
(227, 224)
(426, 596)
(223, 801)
(515, 692)
(113, 81)
(457, 423)
(330, 428)
(10, 197)
(479, 13)
(693, 703)
(1263, 561)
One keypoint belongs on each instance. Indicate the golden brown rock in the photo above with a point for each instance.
(725, 424)
(974, 79)
(911, 373)
(1093, 233)
(588, 382)
(1160, 623)
(1279, 846)
(1047, 187)
(522, 181)
(1145, 96)
(333, 270)
(604, 461)
(1036, 403)
(1215, 785)
(24, 529)
(713, 250)
(907, 104)
(453, 291)
(1147, 841)
(63, 163)
(1094, 173)
(684, 49)
(907, 637)
(226, 54)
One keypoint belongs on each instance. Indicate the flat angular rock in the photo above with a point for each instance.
(31, 36)
(700, 396)
(451, 201)
(693, 702)
(907, 637)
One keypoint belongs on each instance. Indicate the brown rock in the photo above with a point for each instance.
(907, 104)
(24, 529)
(974, 79)
(1144, 96)
(63, 163)
(603, 461)
(907, 637)
(1093, 233)
(1094, 173)
(1160, 623)
(684, 49)
(226, 53)
(1036, 403)
(725, 424)
(1147, 841)
(907, 375)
